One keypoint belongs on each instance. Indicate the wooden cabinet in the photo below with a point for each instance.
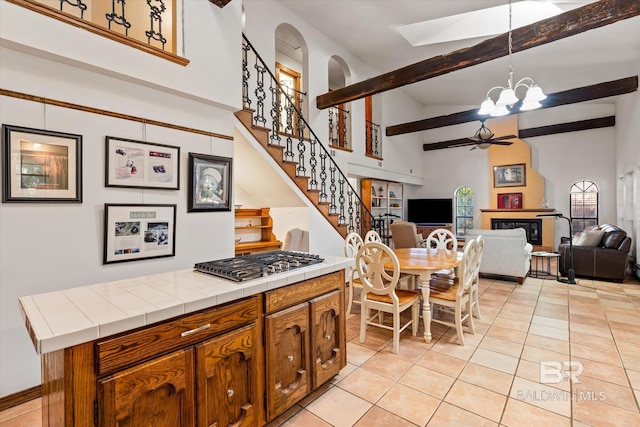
(159, 393)
(207, 368)
(306, 345)
(384, 200)
(287, 356)
(254, 231)
(227, 378)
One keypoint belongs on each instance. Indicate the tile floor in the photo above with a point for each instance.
(495, 380)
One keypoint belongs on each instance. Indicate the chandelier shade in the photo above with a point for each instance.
(508, 98)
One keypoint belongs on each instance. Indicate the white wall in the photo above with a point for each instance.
(562, 160)
(401, 154)
(46, 247)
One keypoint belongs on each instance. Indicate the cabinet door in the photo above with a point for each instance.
(227, 379)
(287, 338)
(326, 337)
(156, 393)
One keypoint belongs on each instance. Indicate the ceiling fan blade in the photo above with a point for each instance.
(462, 144)
(501, 138)
(496, 142)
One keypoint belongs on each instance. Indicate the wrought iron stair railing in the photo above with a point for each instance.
(302, 152)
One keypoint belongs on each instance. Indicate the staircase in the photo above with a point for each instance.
(297, 150)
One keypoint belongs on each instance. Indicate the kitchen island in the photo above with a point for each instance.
(185, 348)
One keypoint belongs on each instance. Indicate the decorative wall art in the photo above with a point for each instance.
(510, 201)
(209, 184)
(509, 176)
(41, 165)
(140, 164)
(134, 232)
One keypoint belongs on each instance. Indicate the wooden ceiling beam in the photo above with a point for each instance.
(576, 21)
(579, 125)
(571, 96)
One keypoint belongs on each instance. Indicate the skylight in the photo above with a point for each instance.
(484, 22)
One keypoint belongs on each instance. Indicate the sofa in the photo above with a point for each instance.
(600, 253)
(506, 252)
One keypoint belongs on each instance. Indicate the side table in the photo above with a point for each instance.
(541, 271)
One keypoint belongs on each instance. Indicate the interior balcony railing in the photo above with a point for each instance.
(372, 135)
(339, 127)
(262, 93)
(148, 25)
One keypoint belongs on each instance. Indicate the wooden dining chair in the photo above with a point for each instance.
(475, 306)
(442, 239)
(352, 243)
(457, 299)
(372, 236)
(380, 292)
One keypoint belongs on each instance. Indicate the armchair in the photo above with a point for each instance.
(405, 235)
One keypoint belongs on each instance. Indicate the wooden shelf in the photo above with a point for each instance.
(266, 241)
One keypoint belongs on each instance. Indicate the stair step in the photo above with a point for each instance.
(262, 135)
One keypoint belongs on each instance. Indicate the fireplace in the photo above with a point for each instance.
(532, 227)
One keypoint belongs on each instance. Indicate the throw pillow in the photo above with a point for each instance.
(613, 239)
(588, 238)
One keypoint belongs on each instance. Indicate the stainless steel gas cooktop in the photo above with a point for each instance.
(247, 267)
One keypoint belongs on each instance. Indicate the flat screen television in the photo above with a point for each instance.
(430, 211)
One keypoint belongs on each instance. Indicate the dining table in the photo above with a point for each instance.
(421, 262)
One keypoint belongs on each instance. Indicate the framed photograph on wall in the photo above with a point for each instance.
(134, 232)
(510, 201)
(209, 183)
(140, 164)
(509, 176)
(41, 165)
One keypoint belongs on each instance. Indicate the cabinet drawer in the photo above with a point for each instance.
(288, 296)
(116, 353)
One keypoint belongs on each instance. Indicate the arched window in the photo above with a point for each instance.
(464, 210)
(583, 199)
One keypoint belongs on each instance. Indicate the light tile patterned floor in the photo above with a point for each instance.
(495, 380)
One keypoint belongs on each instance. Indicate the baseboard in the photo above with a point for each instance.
(20, 397)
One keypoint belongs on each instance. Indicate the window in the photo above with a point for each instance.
(464, 211)
(583, 199)
(290, 82)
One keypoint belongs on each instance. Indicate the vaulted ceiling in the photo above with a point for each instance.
(369, 30)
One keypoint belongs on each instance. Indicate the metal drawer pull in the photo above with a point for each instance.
(290, 358)
(193, 331)
(328, 337)
(229, 393)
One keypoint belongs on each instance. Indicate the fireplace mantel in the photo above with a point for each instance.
(547, 226)
(545, 210)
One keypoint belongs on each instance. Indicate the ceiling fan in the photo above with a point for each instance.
(483, 138)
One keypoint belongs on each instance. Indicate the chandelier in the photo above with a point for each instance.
(508, 96)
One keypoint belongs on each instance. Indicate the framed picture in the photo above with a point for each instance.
(140, 164)
(509, 176)
(134, 232)
(41, 165)
(209, 184)
(510, 201)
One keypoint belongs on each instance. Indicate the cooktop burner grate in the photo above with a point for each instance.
(253, 266)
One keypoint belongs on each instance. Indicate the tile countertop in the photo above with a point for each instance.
(61, 319)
